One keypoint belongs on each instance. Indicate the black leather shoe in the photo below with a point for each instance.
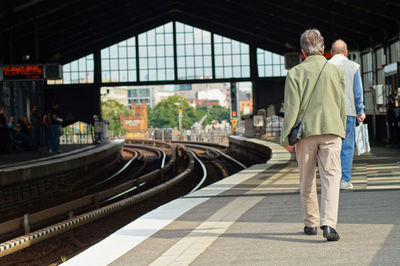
(329, 233)
(310, 230)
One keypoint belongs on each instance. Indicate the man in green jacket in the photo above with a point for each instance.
(322, 131)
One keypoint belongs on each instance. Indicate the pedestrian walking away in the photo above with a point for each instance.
(314, 95)
(354, 107)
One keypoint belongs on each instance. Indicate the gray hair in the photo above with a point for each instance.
(312, 42)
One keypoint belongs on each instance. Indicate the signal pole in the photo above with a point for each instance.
(180, 116)
(235, 116)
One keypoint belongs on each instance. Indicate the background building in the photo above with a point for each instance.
(136, 124)
(120, 94)
(141, 94)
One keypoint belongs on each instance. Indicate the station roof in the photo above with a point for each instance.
(69, 29)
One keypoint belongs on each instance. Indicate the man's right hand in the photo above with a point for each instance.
(289, 148)
(360, 118)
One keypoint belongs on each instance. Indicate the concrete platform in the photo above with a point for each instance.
(25, 166)
(254, 218)
(21, 156)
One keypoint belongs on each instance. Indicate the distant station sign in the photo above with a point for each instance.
(258, 121)
(22, 72)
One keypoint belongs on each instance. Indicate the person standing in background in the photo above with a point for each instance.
(36, 125)
(55, 121)
(26, 127)
(354, 107)
(393, 116)
(3, 130)
(46, 123)
(26, 131)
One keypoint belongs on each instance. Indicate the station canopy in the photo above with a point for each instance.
(62, 31)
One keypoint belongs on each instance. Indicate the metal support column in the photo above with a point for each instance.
(253, 74)
(212, 56)
(175, 52)
(97, 82)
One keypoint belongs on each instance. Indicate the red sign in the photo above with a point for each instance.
(23, 72)
(327, 55)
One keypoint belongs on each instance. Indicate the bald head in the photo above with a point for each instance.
(339, 47)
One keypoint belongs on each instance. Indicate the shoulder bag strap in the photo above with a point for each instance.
(309, 98)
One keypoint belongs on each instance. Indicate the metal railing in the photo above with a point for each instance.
(81, 137)
(273, 126)
(213, 136)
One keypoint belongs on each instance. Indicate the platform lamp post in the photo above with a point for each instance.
(180, 115)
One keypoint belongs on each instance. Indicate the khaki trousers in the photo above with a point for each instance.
(326, 150)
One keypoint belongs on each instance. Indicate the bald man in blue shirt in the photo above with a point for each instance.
(354, 107)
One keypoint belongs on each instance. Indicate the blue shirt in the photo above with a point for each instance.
(358, 92)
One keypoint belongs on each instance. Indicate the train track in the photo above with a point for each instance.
(25, 198)
(166, 166)
(216, 162)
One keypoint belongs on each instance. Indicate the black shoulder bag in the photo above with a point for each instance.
(295, 133)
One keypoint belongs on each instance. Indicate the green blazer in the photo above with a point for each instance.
(326, 113)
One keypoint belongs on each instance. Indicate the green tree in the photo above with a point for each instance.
(220, 113)
(201, 111)
(215, 112)
(166, 113)
(112, 110)
(149, 115)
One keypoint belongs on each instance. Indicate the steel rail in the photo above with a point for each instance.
(207, 144)
(217, 151)
(164, 155)
(150, 142)
(203, 167)
(136, 154)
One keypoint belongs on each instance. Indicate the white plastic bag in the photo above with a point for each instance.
(362, 139)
